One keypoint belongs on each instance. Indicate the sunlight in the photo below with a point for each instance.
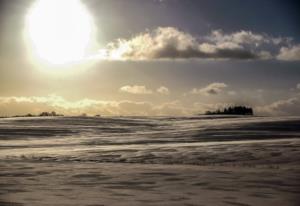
(59, 32)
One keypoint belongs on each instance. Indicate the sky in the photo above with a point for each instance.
(149, 57)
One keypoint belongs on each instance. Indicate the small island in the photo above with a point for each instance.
(232, 110)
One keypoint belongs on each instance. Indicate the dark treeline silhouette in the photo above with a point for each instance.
(232, 110)
(43, 114)
(49, 114)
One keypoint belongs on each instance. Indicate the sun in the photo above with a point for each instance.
(59, 31)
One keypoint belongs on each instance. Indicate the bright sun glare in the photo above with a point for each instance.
(59, 32)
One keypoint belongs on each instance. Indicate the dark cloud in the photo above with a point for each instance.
(172, 52)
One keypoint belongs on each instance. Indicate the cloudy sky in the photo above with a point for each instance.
(149, 57)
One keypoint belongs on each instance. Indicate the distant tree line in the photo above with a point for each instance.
(42, 114)
(232, 110)
(49, 114)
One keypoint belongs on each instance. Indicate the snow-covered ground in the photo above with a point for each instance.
(201, 160)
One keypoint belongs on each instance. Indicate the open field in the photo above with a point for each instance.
(150, 161)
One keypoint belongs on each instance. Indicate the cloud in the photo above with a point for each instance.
(135, 89)
(135, 108)
(36, 104)
(163, 90)
(138, 89)
(245, 38)
(298, 86)
(171, 108)
(172, 43)
(291, 53)
(22, 105)
(290, 106)
(211, 89)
